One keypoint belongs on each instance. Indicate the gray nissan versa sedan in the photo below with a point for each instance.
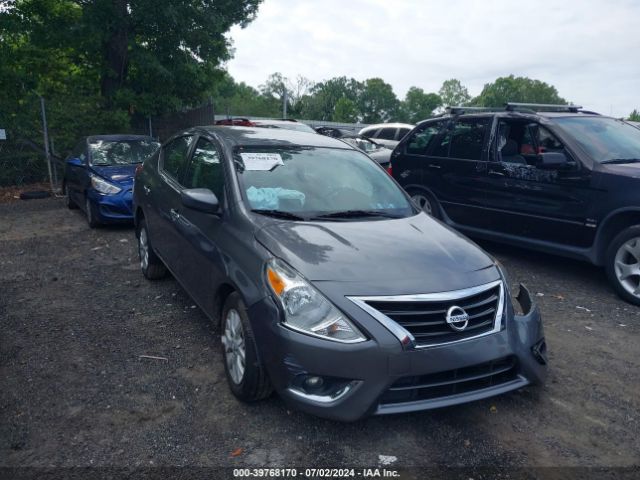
(328, 284)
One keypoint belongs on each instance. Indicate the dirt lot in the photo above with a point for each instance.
(76, 315)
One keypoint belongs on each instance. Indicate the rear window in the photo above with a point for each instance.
(121, 152)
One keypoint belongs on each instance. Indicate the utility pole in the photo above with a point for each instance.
(284, 101)
(45, 132)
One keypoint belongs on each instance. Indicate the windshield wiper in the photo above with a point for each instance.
(357, 214)
(622, 160)
(278, 214)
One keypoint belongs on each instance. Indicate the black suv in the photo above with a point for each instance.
(554, 178)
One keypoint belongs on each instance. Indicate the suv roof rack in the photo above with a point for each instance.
(513, 106)
(457, 110)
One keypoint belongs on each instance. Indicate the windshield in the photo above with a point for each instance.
(310, 182)
(604, 139)
(121, 152)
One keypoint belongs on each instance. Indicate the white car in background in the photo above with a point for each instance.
(387, 134)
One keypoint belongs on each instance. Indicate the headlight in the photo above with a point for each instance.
(305, 308)
(103, 186)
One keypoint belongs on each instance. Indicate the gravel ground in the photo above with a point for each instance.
(76, 316)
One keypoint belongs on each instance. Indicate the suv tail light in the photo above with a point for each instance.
(390, 169)
(139, 169)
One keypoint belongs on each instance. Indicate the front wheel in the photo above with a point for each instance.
(92, 214)
(623, 264)
(246, 375)
(150, 264)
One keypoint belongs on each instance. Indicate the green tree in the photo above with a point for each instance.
(634, 116)
(453, 93)
(345, 111)
(320, 103)
(517, 89)
(377, 102)
(418, 105)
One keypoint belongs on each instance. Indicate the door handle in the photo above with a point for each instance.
(147, 190)
(496, 174)
(433, 165)
(175, 216)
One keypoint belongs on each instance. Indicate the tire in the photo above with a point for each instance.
(71, 205)
(91, 213)
(622, 264)
(425, 202)
(34, 195)
(246, 376)
(150, 264)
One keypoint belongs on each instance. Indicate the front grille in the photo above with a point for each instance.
(452, 382)
(424, 316)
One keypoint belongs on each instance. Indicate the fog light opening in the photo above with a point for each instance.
(320, 386)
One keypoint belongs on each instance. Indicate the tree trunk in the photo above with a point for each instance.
(115, 51)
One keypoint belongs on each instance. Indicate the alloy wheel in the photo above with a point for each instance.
(143, 249)
(423, 202)
(234, 346)
(627, 266)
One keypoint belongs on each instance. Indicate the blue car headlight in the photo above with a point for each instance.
(102, 186)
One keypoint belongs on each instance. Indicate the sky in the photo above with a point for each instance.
(588, 49)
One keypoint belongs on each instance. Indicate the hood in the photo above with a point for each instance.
(118, 174)
(625, 169)
(418, 253)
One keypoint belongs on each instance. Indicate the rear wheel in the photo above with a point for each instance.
(92, 214)
(246, 376)
(623, 264)
(150, 264)
(425, 202)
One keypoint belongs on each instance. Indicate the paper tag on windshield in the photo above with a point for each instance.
(261, 161)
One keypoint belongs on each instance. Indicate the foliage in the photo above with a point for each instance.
(634, 116)
(418, 105)
(377, 102)
(453, 93)
(346, 111)
(517, 89)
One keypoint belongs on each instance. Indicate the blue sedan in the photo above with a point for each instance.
(99, 173)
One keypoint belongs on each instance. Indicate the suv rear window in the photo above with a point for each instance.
(421, 140)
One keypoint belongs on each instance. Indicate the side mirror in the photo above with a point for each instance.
(201, 199)
(552, 161)
(75, 162)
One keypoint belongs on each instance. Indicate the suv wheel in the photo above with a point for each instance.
(425, 202)
(623, 264)
(245, 374)
(150, 264)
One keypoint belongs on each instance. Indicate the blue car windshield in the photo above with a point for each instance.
(121, 152)
(604, 139)
(308, 182)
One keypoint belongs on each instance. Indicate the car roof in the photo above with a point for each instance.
(272, 137)
(391, 125)
(118, 137)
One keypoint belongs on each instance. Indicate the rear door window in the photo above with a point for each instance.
(387, 133)
(464, 140)
(402, 132)
(174, 157)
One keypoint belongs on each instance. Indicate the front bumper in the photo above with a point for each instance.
(116, 208)
(379, 376)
